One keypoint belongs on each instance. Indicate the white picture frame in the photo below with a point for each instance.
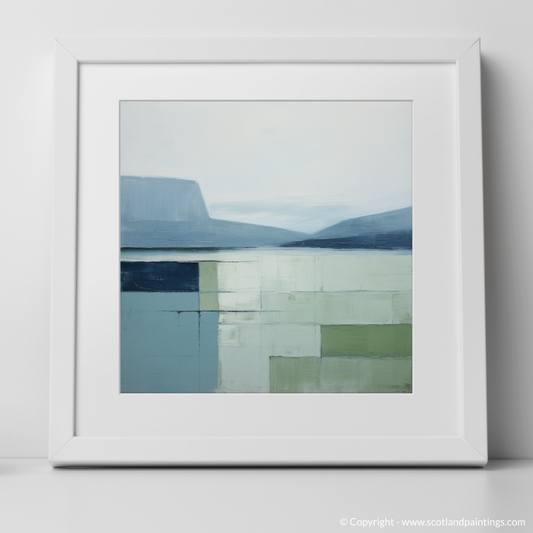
(465, 445)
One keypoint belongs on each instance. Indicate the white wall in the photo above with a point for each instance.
(27, 31)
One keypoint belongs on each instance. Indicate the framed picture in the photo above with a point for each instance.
(268, 251)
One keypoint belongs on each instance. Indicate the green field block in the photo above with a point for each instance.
(208, 277)
(209, 301)
(367, 340)
(340, 375)
(208, 286)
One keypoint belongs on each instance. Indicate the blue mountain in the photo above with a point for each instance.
(387, 231)
(171, 213)
(398, 220)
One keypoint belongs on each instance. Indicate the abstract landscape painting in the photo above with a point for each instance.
(266, 247)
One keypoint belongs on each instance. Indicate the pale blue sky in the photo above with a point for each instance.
(296, 165)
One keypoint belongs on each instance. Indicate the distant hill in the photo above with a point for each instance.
(171, 213)
(391, 221)
(377, 241)
(387, 231)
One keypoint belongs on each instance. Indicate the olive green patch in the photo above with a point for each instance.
(367, 340)
(340, 375)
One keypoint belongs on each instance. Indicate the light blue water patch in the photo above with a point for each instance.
(167, 351)
(149, 333)
(149, 356)
(188, 352)
(149, 375)
(159, 301)
(247, 254)
(208, 351)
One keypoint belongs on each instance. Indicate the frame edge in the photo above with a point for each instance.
(268, 451)
(64, 245)
(266, 50)
(472, 249)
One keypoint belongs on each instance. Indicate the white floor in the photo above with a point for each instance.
(37, 498)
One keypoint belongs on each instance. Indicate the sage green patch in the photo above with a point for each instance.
(295, 374)
(402, 305)
(208, 277)
(209, 301)
(341, 375)
(367, 340)
(208, 286)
